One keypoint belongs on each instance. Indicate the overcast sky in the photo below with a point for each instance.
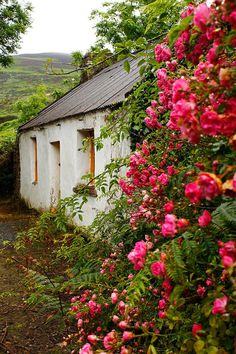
(60, 26)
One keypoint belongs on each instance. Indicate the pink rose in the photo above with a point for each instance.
(92, 338)
(162, 53)
(201, 290)
(182, 223)
(171, 170)
(210, 184)
(163, 179)
(124, 350)
(211, 123)
(196, 328)
(169, 226)
(86, 349)
(123, 325)
(127, 336)
(169, 206)
(201, 16)
(205, 219)
(162, 304)
(232, 18)
(114, 298)
(180, 88)
(137, 255)
(110, 340)
(158, 269)
(162, 314)
(219, 305)
(227, 261)
(115, 318)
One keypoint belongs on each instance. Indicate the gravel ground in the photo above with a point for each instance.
(13, 220)
(10, 228)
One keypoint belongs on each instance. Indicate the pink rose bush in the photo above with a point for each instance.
(173, 277)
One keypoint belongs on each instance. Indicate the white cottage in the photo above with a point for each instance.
(51, 160)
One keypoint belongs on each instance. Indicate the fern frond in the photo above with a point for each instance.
(224, 217)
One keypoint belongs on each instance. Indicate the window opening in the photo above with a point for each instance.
(35, 160)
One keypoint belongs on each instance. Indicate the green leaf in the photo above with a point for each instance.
(198, 346)
(127, 66)
(151, 349)
(212, 350)
(142, 70)
(174, 32)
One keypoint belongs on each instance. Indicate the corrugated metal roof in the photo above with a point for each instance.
(105, 89)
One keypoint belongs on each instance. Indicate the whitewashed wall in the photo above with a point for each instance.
(42, 195)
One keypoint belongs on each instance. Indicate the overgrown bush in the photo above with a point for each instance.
(180, 296)
(6, 167)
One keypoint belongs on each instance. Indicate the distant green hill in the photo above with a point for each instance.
(17, 82)
(28, 71)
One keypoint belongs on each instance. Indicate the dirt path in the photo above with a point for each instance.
(23, 330)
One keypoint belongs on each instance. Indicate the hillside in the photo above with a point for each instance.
(17, 82)
(28, 71)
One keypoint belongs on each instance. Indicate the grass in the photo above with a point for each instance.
(21, 79)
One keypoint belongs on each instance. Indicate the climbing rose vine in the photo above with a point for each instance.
(176, 292)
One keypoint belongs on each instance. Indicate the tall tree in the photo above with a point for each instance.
(128, 23)
(14, 21)
(120, 21)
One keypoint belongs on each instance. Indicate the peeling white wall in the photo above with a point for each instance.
(42, 195)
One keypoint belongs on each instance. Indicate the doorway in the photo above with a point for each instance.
(55, 168)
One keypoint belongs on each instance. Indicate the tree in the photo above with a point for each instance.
(30, 107)
(126, 22)
(14, 21)
(120, 21)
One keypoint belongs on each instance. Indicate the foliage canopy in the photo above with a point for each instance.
(14, 21)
